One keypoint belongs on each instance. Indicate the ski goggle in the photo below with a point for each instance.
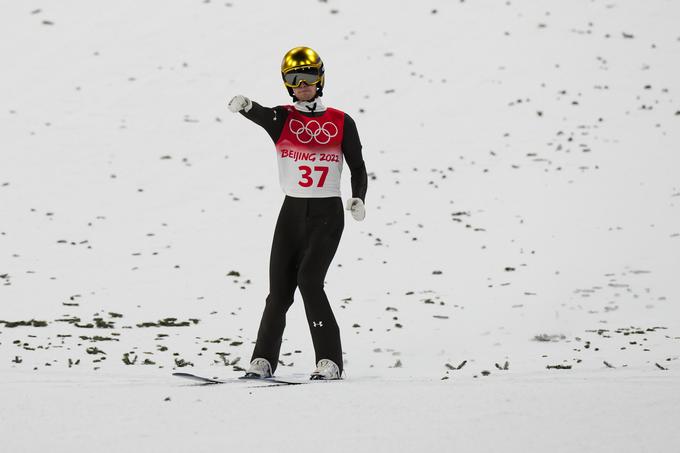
(294, 77)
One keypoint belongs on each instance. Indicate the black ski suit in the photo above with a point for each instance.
(306, 237)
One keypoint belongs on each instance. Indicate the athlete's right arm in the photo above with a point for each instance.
(271, 119)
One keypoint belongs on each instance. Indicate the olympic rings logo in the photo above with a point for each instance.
(321, 133)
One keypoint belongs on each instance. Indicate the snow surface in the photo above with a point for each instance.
(522, 213)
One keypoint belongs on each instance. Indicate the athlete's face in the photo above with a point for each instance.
(305, 92)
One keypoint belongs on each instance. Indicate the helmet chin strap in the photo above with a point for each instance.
(318, 94)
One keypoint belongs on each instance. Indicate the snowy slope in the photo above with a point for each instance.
(523, 208)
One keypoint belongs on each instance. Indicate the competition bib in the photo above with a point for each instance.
(309, 154)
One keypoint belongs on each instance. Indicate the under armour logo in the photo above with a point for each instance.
(319, 324)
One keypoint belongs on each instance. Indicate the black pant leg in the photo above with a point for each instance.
(325, 223)
(286, 250)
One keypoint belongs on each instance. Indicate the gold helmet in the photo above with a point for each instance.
(302, 64)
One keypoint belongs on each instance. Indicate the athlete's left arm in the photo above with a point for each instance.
(351, 149)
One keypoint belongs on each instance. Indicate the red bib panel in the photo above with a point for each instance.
(309, 154)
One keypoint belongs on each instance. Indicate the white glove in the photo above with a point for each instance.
(239, 103)
(356, 206)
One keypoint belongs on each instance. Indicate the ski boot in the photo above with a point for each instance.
(325, 370)
(259, 369)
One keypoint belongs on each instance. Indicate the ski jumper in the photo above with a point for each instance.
(311, 148)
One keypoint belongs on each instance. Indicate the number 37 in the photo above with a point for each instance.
(307, 180)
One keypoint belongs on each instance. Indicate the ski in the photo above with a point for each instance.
(270, 381)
